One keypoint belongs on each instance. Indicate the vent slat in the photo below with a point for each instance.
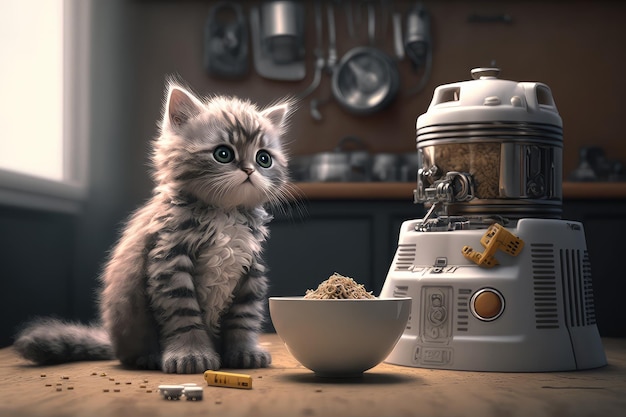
(401, 291)
(405, 256)
(576, 273)
(462, 316)
(544, 286)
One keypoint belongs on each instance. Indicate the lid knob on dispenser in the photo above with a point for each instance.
(485, 73)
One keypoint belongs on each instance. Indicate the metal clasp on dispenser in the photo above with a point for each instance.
(453, 188)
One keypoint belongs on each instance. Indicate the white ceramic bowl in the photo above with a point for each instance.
(339, 338)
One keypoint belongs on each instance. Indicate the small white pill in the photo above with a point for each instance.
(193, 393)
(171, 392)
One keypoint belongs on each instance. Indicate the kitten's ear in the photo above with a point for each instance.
(277, 114)
(181, 106)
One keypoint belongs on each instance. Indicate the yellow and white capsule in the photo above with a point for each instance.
(228, 379)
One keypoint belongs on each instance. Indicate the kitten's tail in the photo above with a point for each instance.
(51, 341)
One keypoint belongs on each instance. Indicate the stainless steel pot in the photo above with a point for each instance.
(330, 166)
(350, 161)
(386, 167)
(366, 80)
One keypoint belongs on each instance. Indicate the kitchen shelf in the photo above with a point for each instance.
(356, 190)
(594, 190)
(404, 190)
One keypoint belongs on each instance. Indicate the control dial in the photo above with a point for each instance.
(487, 304)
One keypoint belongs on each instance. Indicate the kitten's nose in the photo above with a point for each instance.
(247, 169)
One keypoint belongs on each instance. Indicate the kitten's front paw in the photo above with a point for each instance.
(186, 361)
(252, 358)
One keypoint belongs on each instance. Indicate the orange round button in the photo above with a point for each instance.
(487, 304)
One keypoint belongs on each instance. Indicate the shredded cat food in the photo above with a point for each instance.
(482, 160)
(338, 286)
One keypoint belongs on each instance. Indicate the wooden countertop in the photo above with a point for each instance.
(287, 389)
(404, 190)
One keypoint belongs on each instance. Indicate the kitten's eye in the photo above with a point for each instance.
(223, 154)
(264, 159)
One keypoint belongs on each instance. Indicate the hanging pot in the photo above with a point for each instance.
(226, 41)
(366, 80)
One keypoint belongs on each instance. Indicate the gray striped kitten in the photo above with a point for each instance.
(184, 289)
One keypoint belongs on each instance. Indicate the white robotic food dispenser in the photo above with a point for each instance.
(499, 281)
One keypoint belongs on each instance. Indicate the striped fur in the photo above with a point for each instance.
(184, 289)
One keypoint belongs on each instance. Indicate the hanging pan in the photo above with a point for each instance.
(366, 79)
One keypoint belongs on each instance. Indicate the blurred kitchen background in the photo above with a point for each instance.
(51, 258)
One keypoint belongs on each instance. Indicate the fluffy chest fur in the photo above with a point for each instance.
(222, 245)
(233, 243)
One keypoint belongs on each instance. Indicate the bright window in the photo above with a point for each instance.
(31, 34)
(43, 115)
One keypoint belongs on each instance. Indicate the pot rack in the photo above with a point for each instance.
(365, 79)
